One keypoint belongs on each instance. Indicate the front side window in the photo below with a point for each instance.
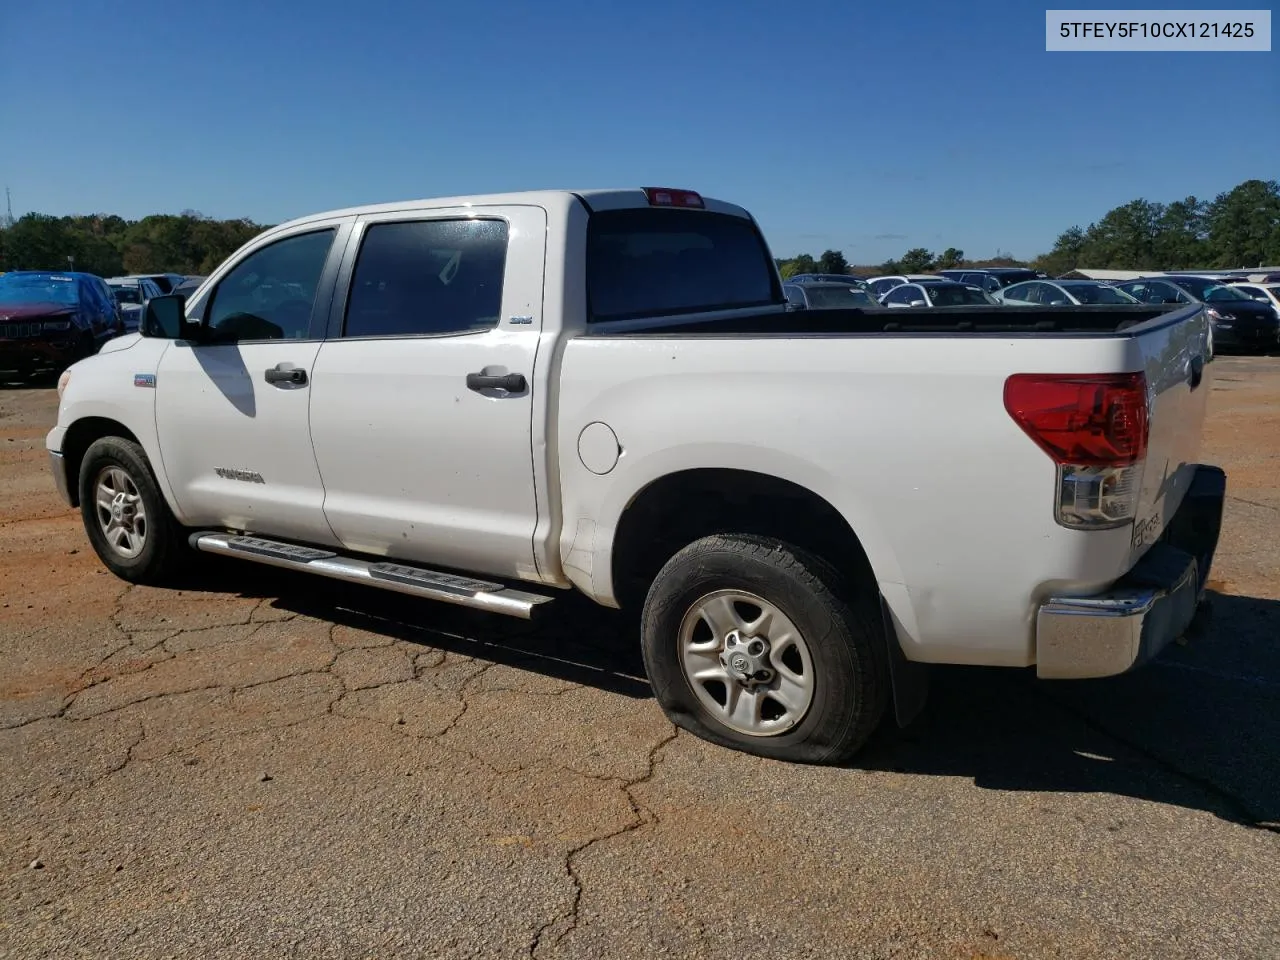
(270, 294)
(427, 278)
(650, 263)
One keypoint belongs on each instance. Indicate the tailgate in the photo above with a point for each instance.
(1175, 357)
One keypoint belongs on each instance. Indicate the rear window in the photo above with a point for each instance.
(649, 263)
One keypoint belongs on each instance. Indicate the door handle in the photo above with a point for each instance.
(511, 382)
(280, 374)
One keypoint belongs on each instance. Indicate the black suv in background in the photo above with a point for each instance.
(51, 319)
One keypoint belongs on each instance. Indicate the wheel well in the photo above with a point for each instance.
(679, 508)
(79, 437)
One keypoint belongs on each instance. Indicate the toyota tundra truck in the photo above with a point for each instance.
(493, 400)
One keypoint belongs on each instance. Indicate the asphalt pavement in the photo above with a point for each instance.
(267, 765)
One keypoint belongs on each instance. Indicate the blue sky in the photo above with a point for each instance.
(867, 128)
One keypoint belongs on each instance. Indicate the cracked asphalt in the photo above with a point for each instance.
(263, 764)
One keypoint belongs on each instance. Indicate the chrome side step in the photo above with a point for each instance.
(397, 577)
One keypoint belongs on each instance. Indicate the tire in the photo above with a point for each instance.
(832, 683)
(136, 537)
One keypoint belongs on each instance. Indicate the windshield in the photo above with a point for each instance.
(837, 295)
(127, 294)
(956, 296)
(1099, 293)
(1218, 294)
(37, 288)
(1198, 287)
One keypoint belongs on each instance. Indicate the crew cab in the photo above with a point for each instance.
(494, 400)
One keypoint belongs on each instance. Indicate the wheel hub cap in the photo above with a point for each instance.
(746, 663)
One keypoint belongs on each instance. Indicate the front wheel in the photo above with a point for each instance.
(751, 643)
(126, 518)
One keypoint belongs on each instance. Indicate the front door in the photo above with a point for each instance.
(421, 410)
(232, 408)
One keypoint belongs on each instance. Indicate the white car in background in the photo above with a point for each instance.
(132, 294)
(1057, 293)
(879, 286)
(1268, 293)
(947, 293)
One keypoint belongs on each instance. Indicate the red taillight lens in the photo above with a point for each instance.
(666, 197)
(1092, 420)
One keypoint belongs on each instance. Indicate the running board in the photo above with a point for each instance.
(397, 577)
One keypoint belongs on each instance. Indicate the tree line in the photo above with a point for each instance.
(1238, 228)
(109, 246)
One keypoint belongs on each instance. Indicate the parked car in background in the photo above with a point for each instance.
(165, 281)
(51, 319)
(819, 295)
(1268, 293)
(132, 295)
(941, 293)
(1237, 320)
(879, 286)
(991, 278)
(1062, 292)
(188, 286)
(847, 278)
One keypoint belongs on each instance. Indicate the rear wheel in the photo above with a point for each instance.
(750, 643)
(127, 520)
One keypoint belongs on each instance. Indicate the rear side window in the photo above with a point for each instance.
(650, 263)
(428, 278)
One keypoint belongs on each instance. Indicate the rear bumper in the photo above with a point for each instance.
(1152, 605)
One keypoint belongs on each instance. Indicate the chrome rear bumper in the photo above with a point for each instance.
(1148, 608)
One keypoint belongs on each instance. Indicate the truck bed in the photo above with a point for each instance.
(1095, 320)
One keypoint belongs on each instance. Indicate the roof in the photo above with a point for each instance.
(1090, 273)
(596, 199)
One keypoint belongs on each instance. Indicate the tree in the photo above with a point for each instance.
(950, 259)
(916, 260)
(832, 261)
(801, 264)
(1244, 225)
(1065, 255)
(1181, 235)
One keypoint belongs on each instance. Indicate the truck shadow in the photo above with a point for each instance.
(1198, 728)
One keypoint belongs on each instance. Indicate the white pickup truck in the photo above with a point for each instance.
(488, 400)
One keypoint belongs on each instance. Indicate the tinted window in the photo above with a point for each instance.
(1019, 291)
(1218, 294)
(881, 287)
(645, 263)
(903, 293)
(428, 277)
(794, 295)
(269, 295)
(1098, 293)
(837, 295)
(950, 296)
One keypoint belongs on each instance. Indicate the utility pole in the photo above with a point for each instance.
(8, 217)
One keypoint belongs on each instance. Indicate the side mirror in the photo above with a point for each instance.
(165, 318)
(917, 303)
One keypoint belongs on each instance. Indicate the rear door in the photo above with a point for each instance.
(421, 408)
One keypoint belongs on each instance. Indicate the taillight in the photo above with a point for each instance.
(1094, 427)
(666, 197)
